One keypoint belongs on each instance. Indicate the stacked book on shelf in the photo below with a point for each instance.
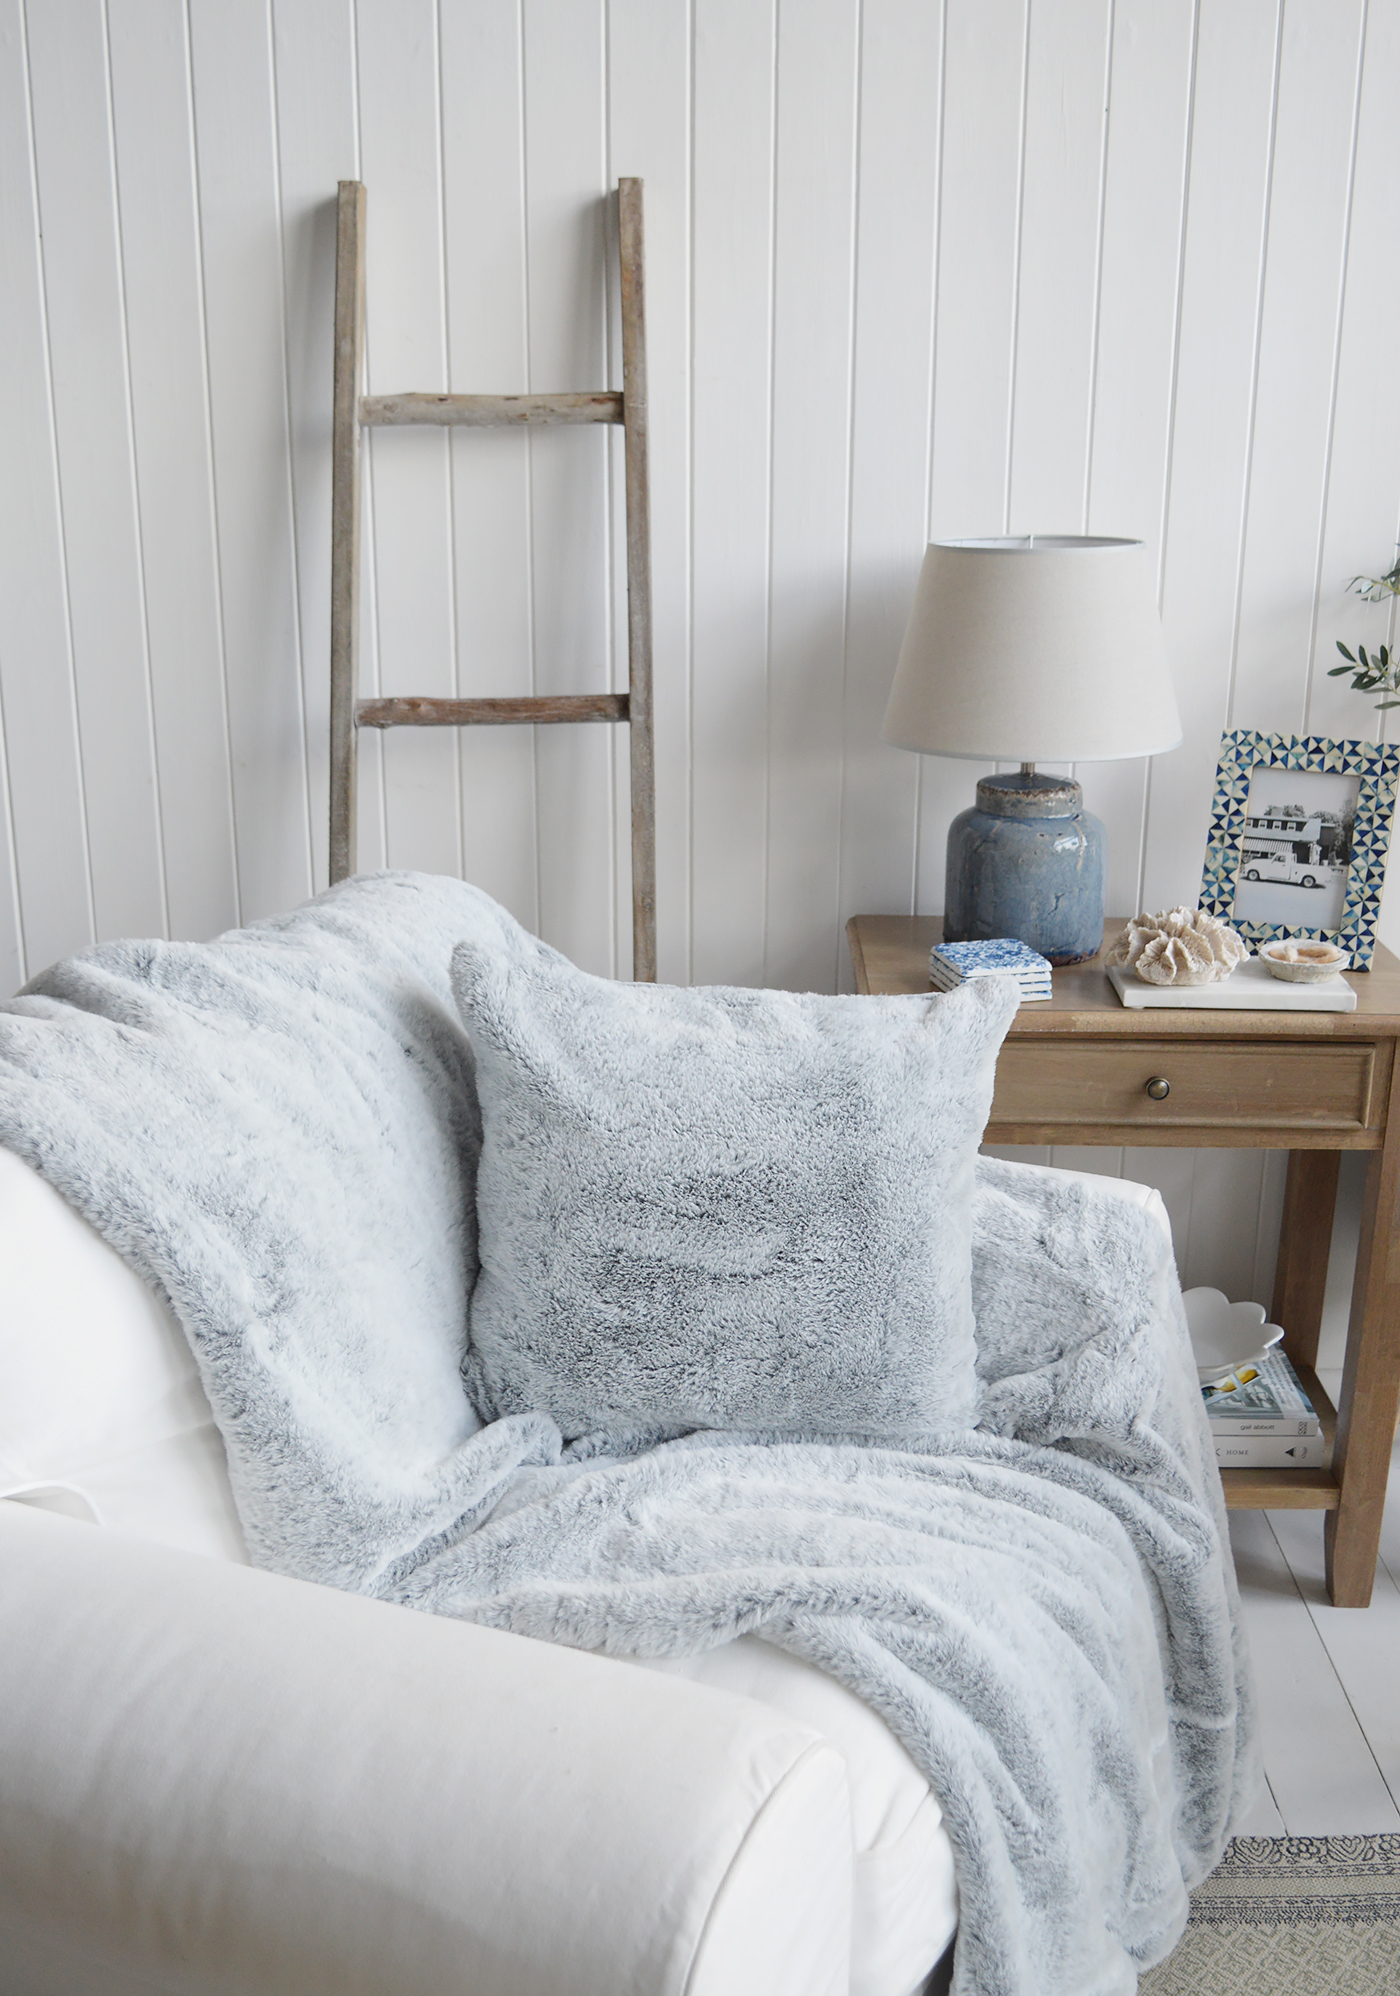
(1260, 1418)
(951, 964)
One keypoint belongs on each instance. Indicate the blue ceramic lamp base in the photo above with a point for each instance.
(1027, 861)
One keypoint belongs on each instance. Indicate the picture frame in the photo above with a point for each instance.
(1298, 840)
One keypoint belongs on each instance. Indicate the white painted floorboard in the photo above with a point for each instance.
(1328, 1678)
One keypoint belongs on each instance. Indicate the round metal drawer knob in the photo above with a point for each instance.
(1159, 1088)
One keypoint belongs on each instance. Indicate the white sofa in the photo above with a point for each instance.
(217, 1779)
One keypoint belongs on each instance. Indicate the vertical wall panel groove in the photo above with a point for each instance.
(169, 418)
(840, 958)
(1138, 899)
(650, 133)
(1303, 273)
(210, 489)
(231, 66)
(1056, 265)
(1253, 406)
(314, 99)
(1363, 486)
(729, 389)
(453, 457)
(566, 143)
(1331, 431)
(12, 970)
(1135, 344)
(891, 393)
(1096, 314)
(77, 207)
(916, 896)
(292, 510)
(814, 217)
(531, 578)
(978, 233)
(484, 210)
(769, 492)
(143, 608)
(53, 887)
(407, 350)
(1017, 242)
(690, 712)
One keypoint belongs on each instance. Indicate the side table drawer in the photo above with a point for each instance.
(1223, 1085)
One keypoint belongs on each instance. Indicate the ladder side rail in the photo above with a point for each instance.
(345, 520)
(639, 633)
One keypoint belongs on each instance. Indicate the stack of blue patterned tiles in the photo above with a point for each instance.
(951, 964)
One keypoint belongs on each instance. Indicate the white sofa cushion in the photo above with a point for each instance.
(217, 1779)
(905, 1903)
(100, 1399)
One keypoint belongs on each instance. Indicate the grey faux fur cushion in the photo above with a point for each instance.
(724, 1208)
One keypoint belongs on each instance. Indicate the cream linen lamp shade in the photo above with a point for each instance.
(1041, 649)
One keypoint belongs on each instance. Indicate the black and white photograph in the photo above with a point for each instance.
(1295, 851)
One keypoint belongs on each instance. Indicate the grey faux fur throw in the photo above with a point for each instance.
(279, 1131)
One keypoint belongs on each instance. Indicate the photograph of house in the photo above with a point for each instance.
(1296, 848)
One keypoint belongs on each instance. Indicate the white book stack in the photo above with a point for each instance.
(952, 964)
(1260, 1418)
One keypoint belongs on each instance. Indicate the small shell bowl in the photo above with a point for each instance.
(1310, 969)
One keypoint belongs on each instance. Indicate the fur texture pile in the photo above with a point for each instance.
(279, 1131)
(724, 1209)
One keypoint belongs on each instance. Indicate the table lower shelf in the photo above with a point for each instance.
(1290, 1489)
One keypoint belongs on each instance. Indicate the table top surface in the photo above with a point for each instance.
(890, 955)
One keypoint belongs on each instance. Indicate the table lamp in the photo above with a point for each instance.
(1042, 648)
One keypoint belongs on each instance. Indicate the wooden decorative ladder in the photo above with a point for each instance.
(355, 412)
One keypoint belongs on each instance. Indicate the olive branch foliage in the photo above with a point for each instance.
(1377, 670)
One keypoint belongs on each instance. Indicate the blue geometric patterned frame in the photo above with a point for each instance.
(1242, 751)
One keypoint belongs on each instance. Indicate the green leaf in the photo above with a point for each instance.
(1334, 670)
(1381, 705)
(1345, 653)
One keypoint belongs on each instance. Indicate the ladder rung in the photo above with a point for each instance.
(481, 412)
(419, 713)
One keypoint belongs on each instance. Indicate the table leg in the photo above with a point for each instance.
(1370, 1380)
(1305, 1243)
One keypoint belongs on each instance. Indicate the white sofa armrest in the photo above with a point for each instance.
(215, 1778)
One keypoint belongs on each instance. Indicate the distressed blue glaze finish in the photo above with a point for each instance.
(1027, 861)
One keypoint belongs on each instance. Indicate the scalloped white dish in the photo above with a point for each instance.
(1226, 1335)
(1304, 970)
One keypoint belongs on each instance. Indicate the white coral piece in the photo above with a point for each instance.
(1179, 946)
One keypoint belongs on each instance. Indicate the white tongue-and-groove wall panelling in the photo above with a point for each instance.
(915, 268)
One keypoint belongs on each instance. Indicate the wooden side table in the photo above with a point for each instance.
(1076, 1071)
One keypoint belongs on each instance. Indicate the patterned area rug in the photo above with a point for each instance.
(1291, 1916)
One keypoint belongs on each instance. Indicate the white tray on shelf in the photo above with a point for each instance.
(1248, 988)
